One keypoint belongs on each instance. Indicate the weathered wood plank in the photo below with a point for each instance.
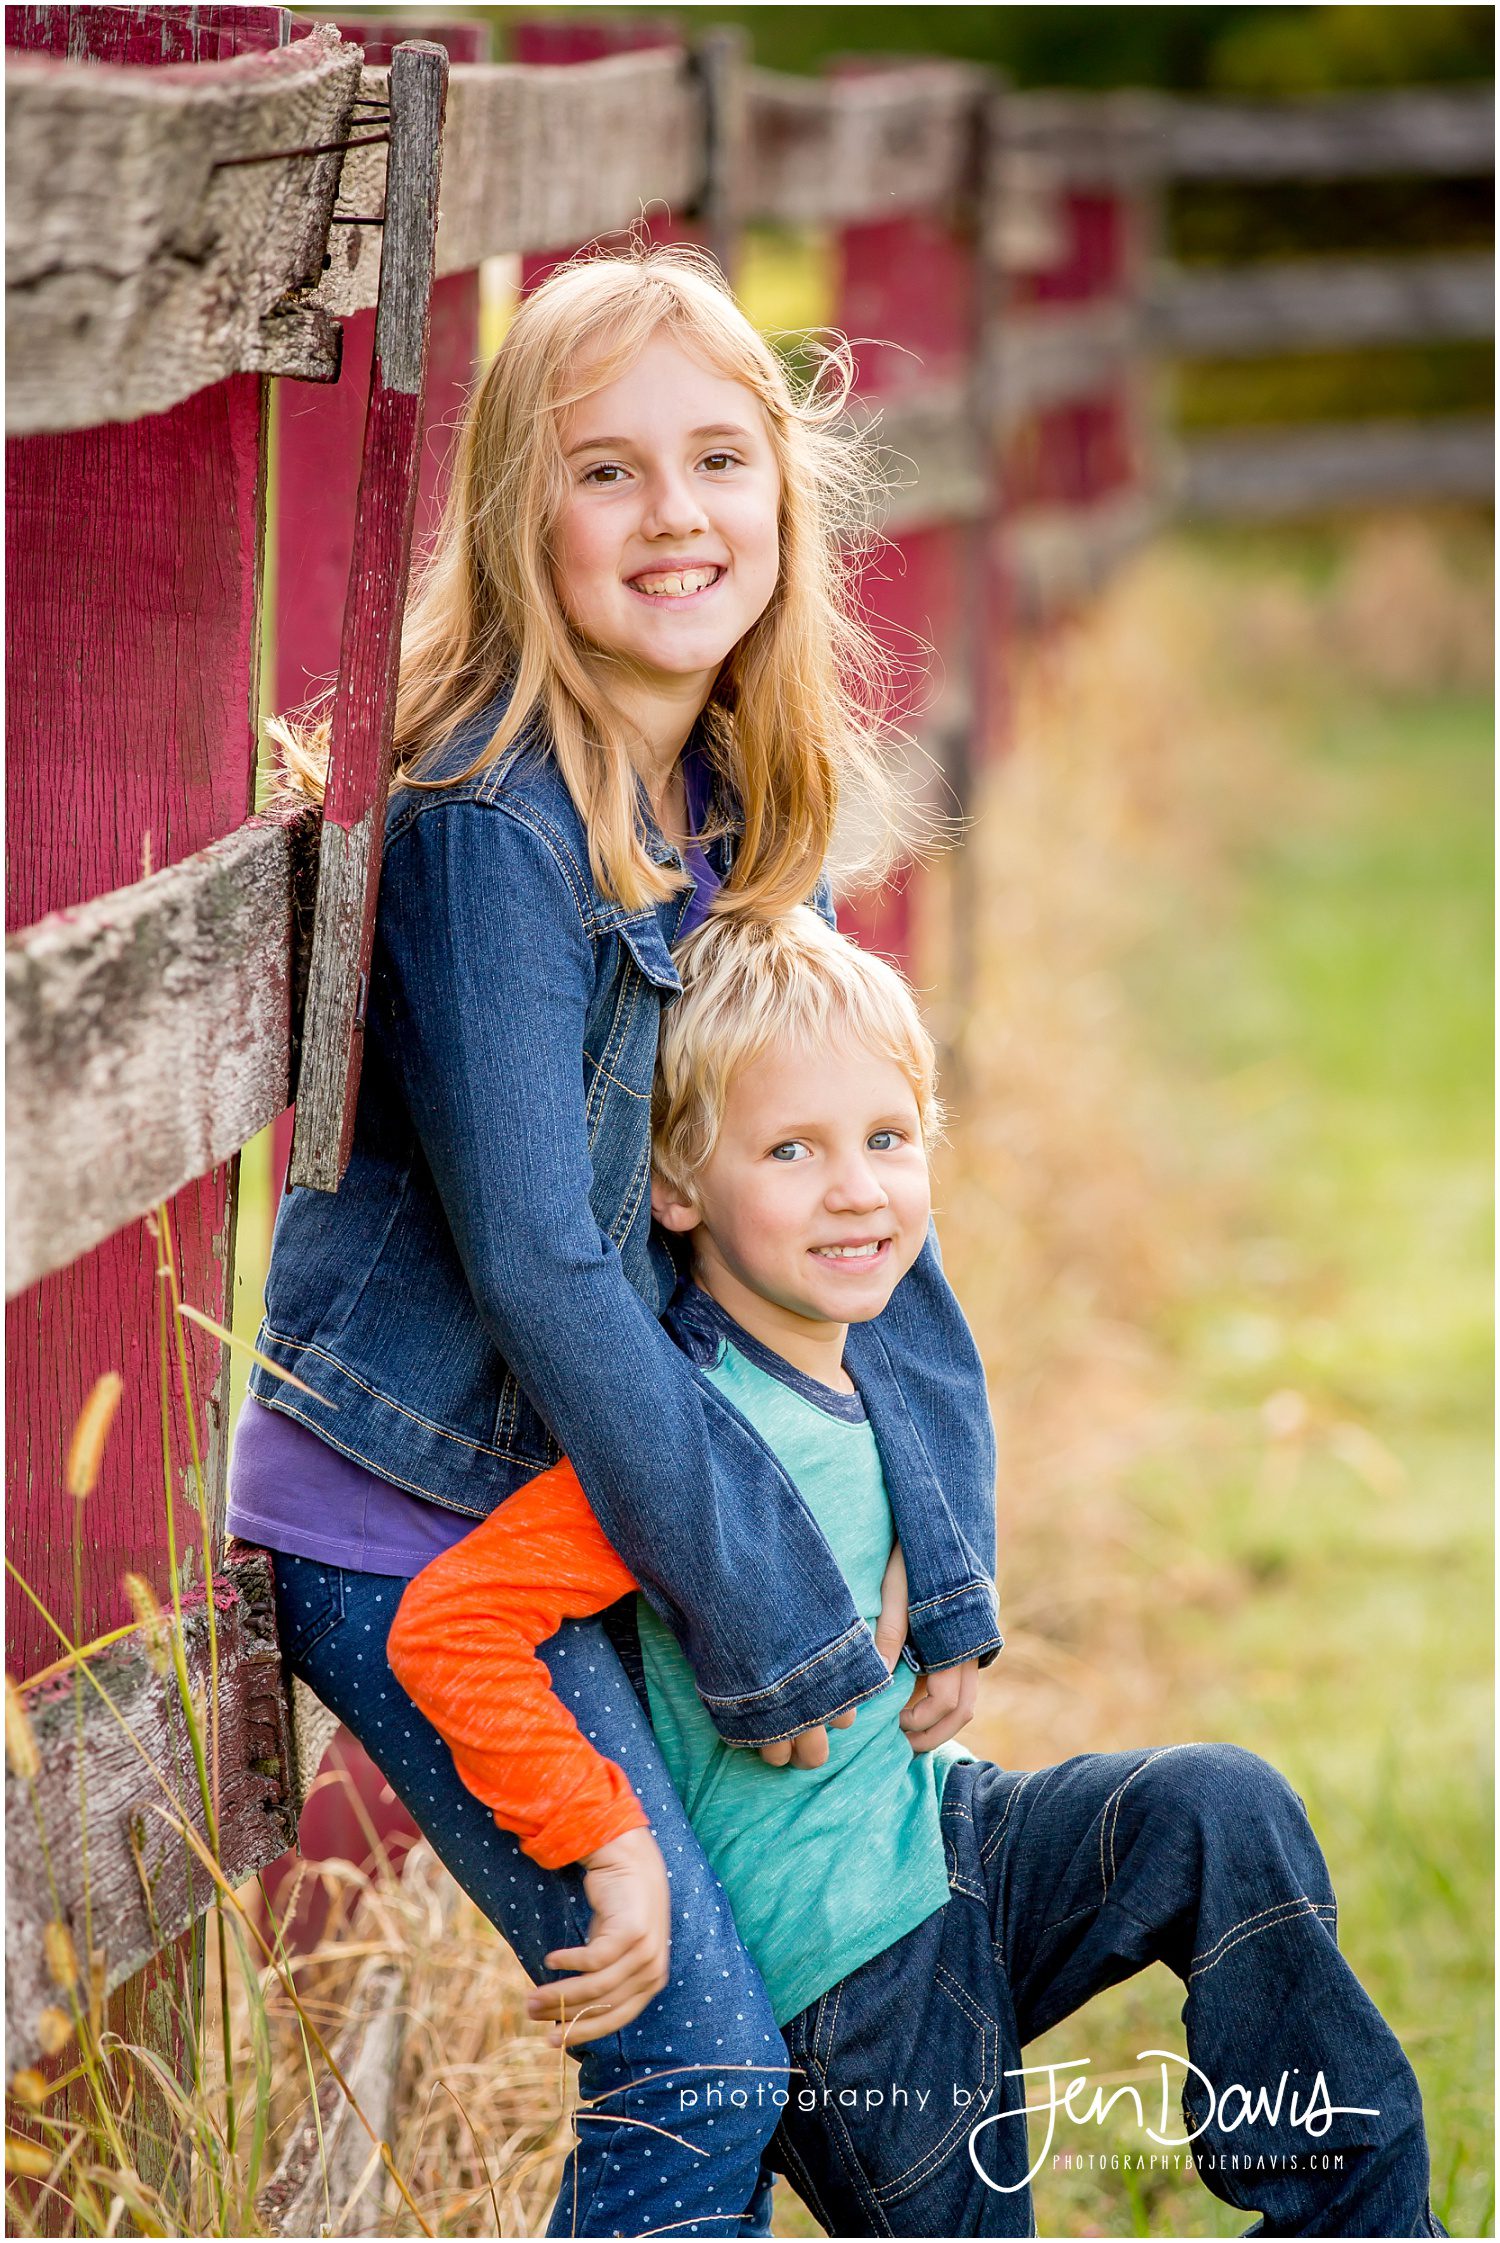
(148, 1035)
(1059, 556)
(512, 179)
(143, 1887)
(365, 696)
(1249, 311)
(325, 2169)
(1066, 140)
(149, 249)
(1433, 130)
(938, 455)
(1268, 472)
(840, 150)
(1054, 354)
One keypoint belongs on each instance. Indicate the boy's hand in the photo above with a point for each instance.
(890, 1628)
(627, 1959)
(810, 1750)
(941, 1705)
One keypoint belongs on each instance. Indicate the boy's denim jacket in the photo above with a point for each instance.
(487, 1272)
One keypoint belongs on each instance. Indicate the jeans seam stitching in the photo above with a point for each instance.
(991, 1844)
(1207, 1954)
(1109, 1821)
(1252, 1929)
(937, 2151)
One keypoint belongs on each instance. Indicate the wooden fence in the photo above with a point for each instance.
(243, 248)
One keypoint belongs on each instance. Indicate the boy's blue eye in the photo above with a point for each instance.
(790, 1151)
(884, 1140)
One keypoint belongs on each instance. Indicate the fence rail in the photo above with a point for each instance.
(172, 226)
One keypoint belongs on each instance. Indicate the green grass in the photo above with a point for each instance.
(1317, 1006)
(1333, 1028)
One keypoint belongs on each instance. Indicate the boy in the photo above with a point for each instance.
(917, 1915)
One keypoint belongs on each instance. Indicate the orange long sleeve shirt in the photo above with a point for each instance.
(464, 1644)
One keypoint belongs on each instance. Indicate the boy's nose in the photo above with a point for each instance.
(856, 1190)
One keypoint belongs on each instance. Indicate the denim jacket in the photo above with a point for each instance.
(485, 1286)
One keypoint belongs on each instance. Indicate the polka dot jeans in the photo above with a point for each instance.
(677, 2109)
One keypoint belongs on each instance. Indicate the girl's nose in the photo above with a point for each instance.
(673, 509)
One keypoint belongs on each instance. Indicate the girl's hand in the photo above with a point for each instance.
(941, 1705)
(628, 1956)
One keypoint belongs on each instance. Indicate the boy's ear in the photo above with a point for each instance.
(672, 1211)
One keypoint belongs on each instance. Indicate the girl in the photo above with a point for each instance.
(633, 691)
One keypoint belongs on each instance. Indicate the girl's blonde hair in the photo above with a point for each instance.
(750, 983)
(796, 718)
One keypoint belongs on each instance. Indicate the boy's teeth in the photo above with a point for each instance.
(852, 1253)
(675, 586)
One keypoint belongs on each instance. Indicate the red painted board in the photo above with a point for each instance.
(1079, 452)
(908, 298)
(1095, 254)
(319, 439)
(132, 554)
(146, 35)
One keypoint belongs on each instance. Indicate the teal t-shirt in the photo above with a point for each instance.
(824, 1867)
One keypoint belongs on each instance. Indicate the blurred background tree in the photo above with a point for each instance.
(1230, 49)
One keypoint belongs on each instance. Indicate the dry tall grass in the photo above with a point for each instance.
(1078, 1209)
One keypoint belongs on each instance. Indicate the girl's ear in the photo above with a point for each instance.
(672, 1211)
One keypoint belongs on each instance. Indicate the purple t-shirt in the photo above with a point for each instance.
(291, 1490)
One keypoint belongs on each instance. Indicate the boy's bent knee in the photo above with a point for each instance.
(1225, 1790)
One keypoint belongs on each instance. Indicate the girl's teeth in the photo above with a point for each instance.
(675, 587)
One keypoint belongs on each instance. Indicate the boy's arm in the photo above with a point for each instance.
(463, 1646)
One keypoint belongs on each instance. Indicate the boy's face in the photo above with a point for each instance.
(816, 1197)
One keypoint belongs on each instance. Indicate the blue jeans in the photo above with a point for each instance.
(712, 2024)
(1066, 1880)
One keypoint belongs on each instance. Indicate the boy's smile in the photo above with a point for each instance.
(814, 1202)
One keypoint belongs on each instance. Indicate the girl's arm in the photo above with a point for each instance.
(463, 1646)
(483, 978)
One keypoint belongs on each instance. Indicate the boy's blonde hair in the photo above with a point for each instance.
(750, 983)
(799, 709)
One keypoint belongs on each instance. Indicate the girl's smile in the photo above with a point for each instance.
(666, 548)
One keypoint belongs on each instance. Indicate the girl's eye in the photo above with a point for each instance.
(884, 1140)
(604, 473)
(719, 460)
(792, 1150)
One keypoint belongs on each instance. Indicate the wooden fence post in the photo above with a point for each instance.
(1075, 397)
(364, 700)
(133, 552)
(909, 295)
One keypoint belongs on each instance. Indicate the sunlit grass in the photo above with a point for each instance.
(1219, 1206)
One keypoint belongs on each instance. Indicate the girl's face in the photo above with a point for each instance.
(666, 550)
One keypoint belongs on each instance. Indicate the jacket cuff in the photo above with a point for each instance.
(945, 1631)
(576, 1836)
(843, 1674)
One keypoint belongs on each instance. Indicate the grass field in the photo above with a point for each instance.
(1233, 1016)
(1216, 1197)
